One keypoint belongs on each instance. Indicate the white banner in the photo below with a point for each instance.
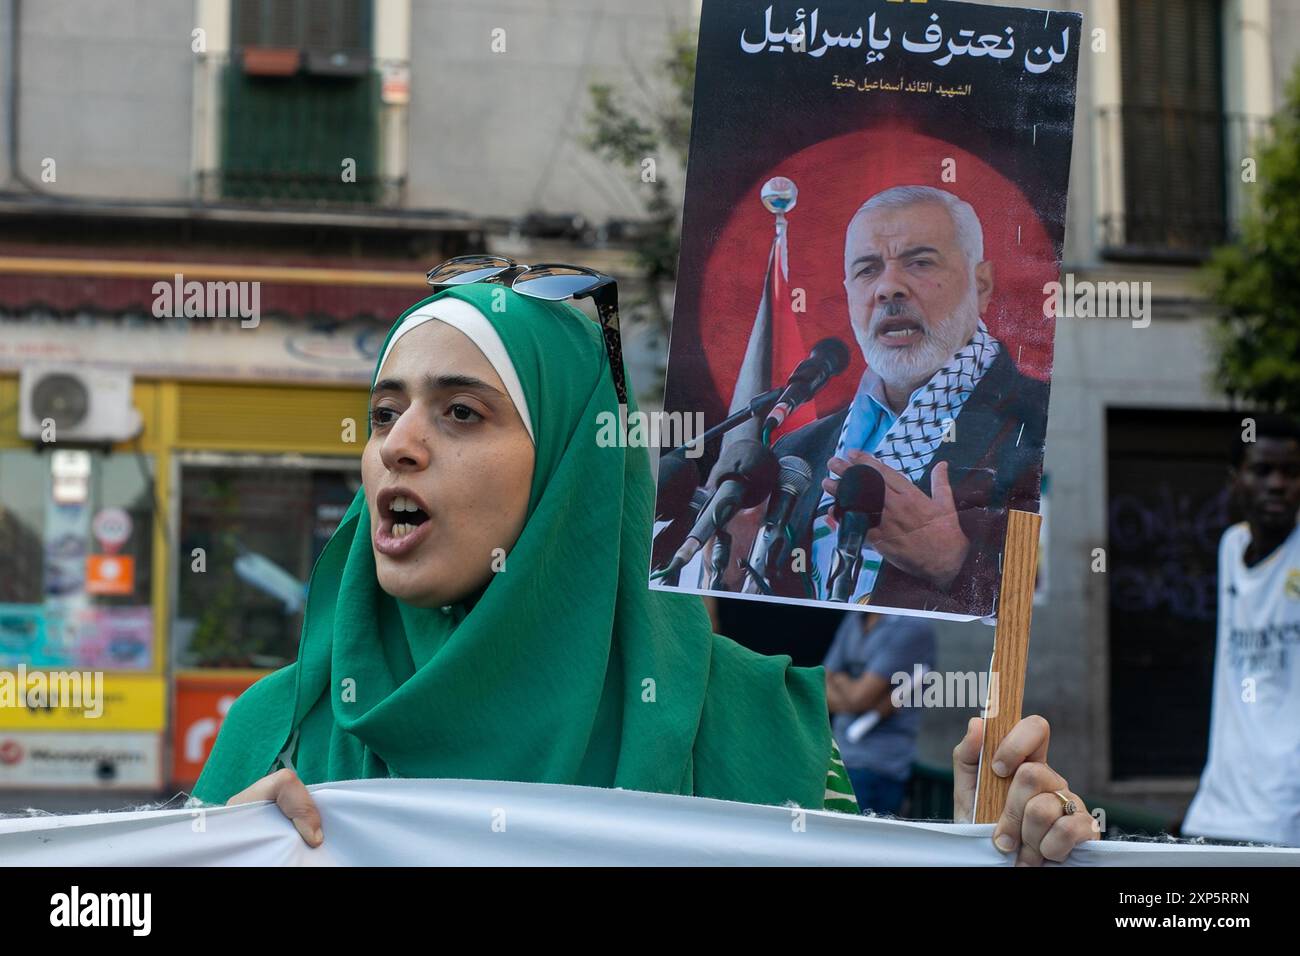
(485, 823)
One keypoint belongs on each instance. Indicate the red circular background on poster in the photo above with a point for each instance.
(834, 178)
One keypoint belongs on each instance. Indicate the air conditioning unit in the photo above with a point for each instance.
(89, 405)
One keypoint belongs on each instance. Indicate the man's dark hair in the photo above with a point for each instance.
(1267, 425)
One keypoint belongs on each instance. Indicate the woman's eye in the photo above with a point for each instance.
(463, 413)
(379, 417)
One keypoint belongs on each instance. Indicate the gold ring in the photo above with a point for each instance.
(1068, 806)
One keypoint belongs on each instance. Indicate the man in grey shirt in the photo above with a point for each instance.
(868, 650)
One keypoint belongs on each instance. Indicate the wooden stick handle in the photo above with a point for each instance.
(1010, 653)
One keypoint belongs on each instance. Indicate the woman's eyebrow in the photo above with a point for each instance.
(434, 383)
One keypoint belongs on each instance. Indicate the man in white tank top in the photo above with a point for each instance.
(1250, 788)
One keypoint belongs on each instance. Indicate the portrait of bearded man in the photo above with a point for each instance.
(942, 413)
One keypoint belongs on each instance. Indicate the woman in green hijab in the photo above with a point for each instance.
(483, 612)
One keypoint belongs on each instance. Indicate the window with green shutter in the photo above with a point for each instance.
(301, 103)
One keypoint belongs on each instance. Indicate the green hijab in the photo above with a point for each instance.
(566, 668)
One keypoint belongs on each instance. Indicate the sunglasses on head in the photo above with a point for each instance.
(551, 281)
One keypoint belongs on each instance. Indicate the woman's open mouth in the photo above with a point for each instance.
(403, 522)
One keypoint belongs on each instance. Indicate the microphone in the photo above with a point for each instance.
(859, 500)
(744, 476)
(677, 505)
(828, 358)
(794, 479)
(678, 480)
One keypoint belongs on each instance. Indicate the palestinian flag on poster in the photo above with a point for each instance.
(776, 343)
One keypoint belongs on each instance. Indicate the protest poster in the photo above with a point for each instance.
(875, 209)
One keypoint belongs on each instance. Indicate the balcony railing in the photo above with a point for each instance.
(1170, 181)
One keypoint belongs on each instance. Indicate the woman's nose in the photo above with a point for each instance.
(406, 447)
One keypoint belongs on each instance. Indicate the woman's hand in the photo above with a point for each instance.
(1033, 820)
(293, 799)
